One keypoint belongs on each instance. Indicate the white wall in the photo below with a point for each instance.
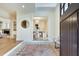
(24, 34)
(5, 23)
(53, 25)
(57, 22)
(4, 13)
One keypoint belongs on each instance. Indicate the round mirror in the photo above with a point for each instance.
(24, 24)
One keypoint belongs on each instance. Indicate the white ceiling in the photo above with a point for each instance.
(28, 7)
(45, 5)
(9, 7)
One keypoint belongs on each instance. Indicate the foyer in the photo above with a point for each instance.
(30, 29)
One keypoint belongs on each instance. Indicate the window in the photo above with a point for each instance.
(64, 7)
(61, 11)
(61, 8)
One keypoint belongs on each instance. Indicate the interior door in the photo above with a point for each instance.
(74, 42)
(78, 33)
(64, 38)
(69, 36)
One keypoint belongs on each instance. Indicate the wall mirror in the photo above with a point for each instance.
(24, 24)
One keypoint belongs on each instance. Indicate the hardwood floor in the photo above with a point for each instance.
(6, 44)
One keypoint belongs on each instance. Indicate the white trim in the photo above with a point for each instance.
(13, 49)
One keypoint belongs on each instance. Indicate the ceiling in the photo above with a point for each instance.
(24, 8)
(45, 4)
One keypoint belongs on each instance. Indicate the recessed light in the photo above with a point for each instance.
(23, 6)
(37, 18)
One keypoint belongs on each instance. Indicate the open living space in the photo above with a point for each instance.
(39, 29)
(26, 29)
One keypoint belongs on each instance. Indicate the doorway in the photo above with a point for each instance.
(40, 28)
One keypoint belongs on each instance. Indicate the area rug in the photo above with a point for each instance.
(35, 50)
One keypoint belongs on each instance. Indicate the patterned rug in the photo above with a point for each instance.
(35, 50)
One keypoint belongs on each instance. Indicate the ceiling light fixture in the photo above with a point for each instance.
(37, 17)
(23, 6)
